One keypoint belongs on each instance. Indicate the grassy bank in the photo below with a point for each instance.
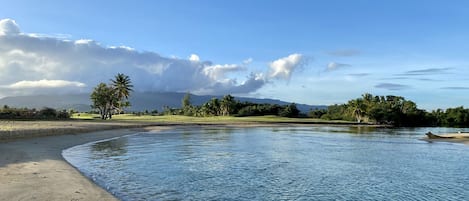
(83, 122)
(179, 119)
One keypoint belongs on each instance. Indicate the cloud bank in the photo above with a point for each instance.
(29, 61)
(44, 84)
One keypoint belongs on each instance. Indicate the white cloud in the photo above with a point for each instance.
(45, 84)
(194, 58)
(122, 47)
(58, 36)
(334, 66)
(248, 61)
(284, 67)
(8, 27)
(83, 42)
(218, 72)
(30, 65)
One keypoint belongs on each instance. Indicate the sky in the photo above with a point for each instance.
(312, 52)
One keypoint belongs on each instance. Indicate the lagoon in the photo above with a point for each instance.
(277, 163)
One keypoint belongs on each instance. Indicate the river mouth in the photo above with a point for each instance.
(281, 163)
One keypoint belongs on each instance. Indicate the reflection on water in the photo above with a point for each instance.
(282, 163)
(114, 147)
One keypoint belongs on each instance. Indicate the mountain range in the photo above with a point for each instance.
(139, 101)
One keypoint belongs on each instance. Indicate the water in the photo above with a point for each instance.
(298, 163)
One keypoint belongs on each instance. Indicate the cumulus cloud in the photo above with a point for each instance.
(334, 66)
(8, 27)
(35, 61)
(218, 72)
(194, 58)
(283, 68)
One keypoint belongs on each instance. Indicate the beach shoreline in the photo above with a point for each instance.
(34, 169)
(32, 166)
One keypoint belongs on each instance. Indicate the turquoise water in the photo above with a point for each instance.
(297, 163)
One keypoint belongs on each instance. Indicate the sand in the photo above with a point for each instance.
(34, 169)
(31, 164)
(26, 129)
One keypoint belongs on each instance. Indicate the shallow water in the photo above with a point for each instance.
(297, 163)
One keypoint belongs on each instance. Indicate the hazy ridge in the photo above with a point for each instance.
(139, 101)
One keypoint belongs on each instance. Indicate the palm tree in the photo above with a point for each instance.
(227, 105)
(357, 108)
(122, 86)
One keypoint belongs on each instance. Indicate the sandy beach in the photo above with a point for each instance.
(31, 164)
(34, 169)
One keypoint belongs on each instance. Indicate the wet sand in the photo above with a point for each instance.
(34, 169)
(31, 164)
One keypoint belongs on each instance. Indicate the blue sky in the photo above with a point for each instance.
(415, 49)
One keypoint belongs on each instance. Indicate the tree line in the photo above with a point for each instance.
(112, 98)
(7, 112)
(392, 110)
(229, 106)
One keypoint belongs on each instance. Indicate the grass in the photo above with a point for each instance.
(208, 120)
(84, 116)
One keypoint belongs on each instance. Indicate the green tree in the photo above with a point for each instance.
(336, 112)
(316, 113)
(357, 108)
(187, 108)
(211, 108)
(227, 105)
(103, 100)
(48, 113)
(290, 111)
(186, 100)
(122, 86)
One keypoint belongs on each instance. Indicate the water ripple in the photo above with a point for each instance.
(320, 163)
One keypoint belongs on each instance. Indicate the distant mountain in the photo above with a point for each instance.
(80, 102)
(139, 101)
